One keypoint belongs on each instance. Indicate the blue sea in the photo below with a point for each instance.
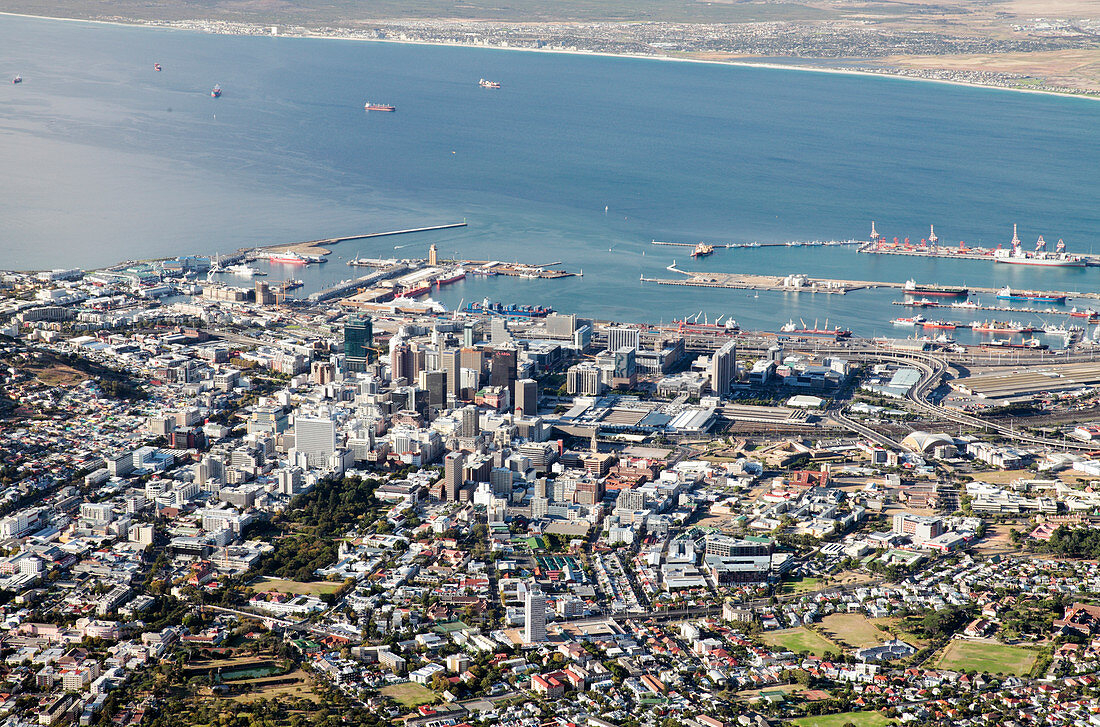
(105, 159)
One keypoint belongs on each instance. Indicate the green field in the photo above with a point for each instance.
(410, 694)
(859, 719)
(985, 656)
(800, 586)
(312, 588)
(799, 640)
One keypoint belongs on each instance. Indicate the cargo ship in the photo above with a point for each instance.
(942, 325)
(1032, 343)
(378, 107)
(488, 84)
(216, 91)
(1000, 327)
(914, 321)
(685, 326)
(1017, 255)
(156, 67)
(1007, 293)
(702, 250)
(419, 290)
(499, 309)
(793, 328)
(459, 274)
(287, 258)
(912, 287)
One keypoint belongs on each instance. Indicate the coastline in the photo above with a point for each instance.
(747, 63)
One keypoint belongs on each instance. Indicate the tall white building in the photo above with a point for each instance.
(534, 616)
(623, 337)
(315, 437)
(723, 368)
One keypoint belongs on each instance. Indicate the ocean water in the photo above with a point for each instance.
(105, 159)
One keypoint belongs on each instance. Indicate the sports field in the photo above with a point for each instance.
(799, 640)
(312, 588)
(859, 719)
(410, 694)
(853, 629)
(987, 656)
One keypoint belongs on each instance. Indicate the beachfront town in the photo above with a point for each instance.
(236, 506)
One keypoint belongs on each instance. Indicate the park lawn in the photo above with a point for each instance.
(295, 685)
(799, 586)
(853, 629)
(410, 694)
(799, 640)
(311, 588)
(987, 656)
(859, 719)
(893, 625)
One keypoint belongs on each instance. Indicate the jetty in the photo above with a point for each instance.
(320, 246)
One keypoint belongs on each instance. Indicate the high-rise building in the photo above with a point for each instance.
(435, 383)
(498, 331)
(454, 465)
(264, 296)
(315, 436)
(469, 335)
(500, 481)
(469, 426)
(502, 370)
(452, 365)
(534, 616)
(527, 397)
(358, 338)
(399, 362)
(322, 372)
(623, 337)
(433, 255)
(723, 368)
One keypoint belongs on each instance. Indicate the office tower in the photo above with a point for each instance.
(452, 365)
(500, 481)
(264, 296)
(560, 325)
(433, 255)
(399, 362)
(322, 372)
(723, 368)
(435, 383)
(453, 466)
(502, 370)
(468, 335)
(315, 436)
(469, 425)
(498, 331)
(473, 358)
(527, 397)
(623, 337)
(358, 338)
(534, 616)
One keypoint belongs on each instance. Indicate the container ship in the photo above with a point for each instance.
(488, 84)
(953, 291)
(1019, 256)
(287, 258)
(793, 328)
(378, 107)
(216, 91)
(702, 250)
(1007, 293)
(499, 309)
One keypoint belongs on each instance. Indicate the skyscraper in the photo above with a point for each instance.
(435, 383)
(469, 426)
(534, 616)
(453, 466)
(527, 397)
(315, 436)
(623, 337)
(723, 368)
(502, 370)
(358, 338)
(452, 364)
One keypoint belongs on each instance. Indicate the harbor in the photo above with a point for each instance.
(1014, 254)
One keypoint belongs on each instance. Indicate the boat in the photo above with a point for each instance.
(216, 91)
(970, 304)
(1002, 327)
(488, 84)
(1086, 313)
(1007, 293)
(417, 291)
(912, 287)
(1017, 255)
(1032, 343)
(512, 310)
(17, 79)
(291, 284)
(156, 67)
(925, 303)
(287, 258)
(691, 326)
(914, 321)
(244, 271)
(702, 250)
(457, 275)
(942, 325)
(1058, 330)
(792, 327)
(378, 107)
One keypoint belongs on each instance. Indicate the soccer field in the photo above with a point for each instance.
(801, 639)
(987, 656)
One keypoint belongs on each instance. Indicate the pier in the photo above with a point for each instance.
(318, 246)
(738, 245)
(1002, 309)
(954, 253)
